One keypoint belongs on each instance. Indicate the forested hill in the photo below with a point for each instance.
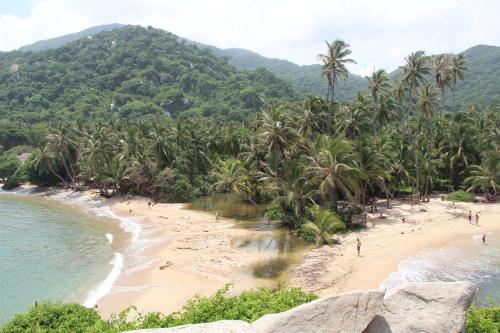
(305, 79)
(482, 82)
(63, 40)
(133, 71)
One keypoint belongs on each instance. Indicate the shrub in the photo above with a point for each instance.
(273, 211)
(461, 196)
(484, 319)
(71, 317)
(56, 318)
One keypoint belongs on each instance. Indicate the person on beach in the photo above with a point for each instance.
(484, 239)
(477, 219)
(470, 216)
(217, 216)
(149, 203)
(358, 247)
(454, 204)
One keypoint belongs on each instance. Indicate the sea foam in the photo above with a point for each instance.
(105, 286)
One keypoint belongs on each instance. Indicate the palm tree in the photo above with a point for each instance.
(334, 64)
(456, 71)
(378, 83)
(485, 177)
(440, 66)
(426, 99)
(229, 175)
(324, 225)
(414, 72)
(43, 162)
(330, 166)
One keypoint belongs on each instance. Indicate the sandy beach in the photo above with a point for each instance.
(386, 242)
(195, 255)
(188, 253)
(192, 254)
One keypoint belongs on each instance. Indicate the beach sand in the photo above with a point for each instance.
(387, 242)
(200, 255)
(197, 255)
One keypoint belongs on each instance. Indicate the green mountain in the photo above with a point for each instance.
(306, 78)
(482, 82)
(133, 71)
(63, 40)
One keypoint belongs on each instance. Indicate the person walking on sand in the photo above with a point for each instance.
(477, 219)
(470, 216)
(484, 239)
(358, 247)
(217, 217)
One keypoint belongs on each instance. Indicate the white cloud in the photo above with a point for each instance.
(380, 32)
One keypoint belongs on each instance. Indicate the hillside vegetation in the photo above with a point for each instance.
(134, 72)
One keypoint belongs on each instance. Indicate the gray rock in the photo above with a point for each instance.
(424, 307)
(349, 312)
(223, 326)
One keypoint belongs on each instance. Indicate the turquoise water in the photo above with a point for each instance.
(49, 252)
(468, 260)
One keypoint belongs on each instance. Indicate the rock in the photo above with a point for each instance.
(348, 312)
(223, 326)
(424, 307)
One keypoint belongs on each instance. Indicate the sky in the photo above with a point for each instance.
(380, 32)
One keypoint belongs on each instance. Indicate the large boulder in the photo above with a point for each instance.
(223, 326)
(348, 312)
(424, 307)
(427, 307)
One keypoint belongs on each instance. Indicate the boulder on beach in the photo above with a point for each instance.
(437, 307)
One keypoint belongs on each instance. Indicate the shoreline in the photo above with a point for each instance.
(388, 242)
(182, 253)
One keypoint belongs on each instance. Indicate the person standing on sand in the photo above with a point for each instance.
(470, 216)
(477, 219)
(217, 215)
(358, 247)
(484, 239)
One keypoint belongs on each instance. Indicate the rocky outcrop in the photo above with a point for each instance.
(414, 307)
(424, 307)
(223, 326)
(349, 312)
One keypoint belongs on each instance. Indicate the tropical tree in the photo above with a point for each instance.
(440, 67)
(485, 177)
(324, 225)
(331, 166)
(334, 64)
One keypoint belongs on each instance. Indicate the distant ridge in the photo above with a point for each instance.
(56, 42)
(480, 85)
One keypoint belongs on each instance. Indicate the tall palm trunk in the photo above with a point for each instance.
(429, 161)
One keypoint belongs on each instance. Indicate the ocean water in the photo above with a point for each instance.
(467, 260)
(52, 251)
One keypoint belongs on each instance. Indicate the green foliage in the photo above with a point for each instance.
(323, 225)
(483, 319)
(273, 211)
(54, 318)
(133, 71)
(460, 196)
(248, 306)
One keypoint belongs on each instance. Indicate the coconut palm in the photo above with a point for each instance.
(414, 72)
(333, 167)
(324, 225)
(378, 82)
(456, 71)
(43, 161)
(334, 64)
(229, 175)
(426, 100)
(440, 67)
(486, 176)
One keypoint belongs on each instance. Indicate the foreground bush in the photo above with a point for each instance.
(483, 320)
(461, 196)
(247, 306)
